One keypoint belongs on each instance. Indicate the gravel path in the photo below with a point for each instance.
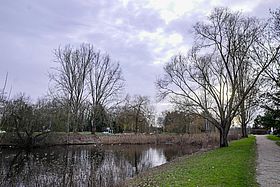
(268, 162)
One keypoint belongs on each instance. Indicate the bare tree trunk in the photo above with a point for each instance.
(93, 126)
(244, 131)
(136, 122)
(223, 137)
(68, 122)
(244, 119)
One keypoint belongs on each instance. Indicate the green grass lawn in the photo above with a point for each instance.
(230, 166)
(274, 138)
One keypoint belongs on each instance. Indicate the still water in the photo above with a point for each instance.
(86, 165)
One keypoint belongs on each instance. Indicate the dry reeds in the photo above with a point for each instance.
(129, 138)
(194, 139)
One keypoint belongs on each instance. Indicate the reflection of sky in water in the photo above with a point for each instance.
(83, 165)
(154, 157)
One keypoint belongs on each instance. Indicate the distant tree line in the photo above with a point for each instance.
(182, 122)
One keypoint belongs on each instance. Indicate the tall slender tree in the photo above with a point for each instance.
(70, 79)
(105, 85)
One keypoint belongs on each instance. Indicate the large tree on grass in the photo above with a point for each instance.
(223, 44)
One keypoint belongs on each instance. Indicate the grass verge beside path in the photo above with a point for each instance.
(274, 138)
(230, 166)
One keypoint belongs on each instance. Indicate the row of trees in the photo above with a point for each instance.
(20, 115)
(219, 76)
(33, 121)
(90, 85)
(85, 95)
(217, 81)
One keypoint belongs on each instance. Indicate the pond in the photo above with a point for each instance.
(86, 165)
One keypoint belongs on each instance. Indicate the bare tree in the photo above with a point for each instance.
(135, 115)
(27, 120)
(4, 97)
(3, 90)
(177, 122)
(71, 78)
(249, 105)
(269, 99)
(142, 111)
(105, 84)
(223, 45)
(275, 23)
(273, 71)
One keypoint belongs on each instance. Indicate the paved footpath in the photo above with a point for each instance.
(268, 162)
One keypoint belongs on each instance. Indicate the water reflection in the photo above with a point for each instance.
(83, 165)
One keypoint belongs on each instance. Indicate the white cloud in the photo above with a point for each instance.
(164, 45)
(246, 6)
(142, 35)
(173, 9)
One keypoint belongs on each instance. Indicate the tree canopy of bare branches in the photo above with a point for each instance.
(141, 107)
(208, 79)
(105, 84)
(135, 115)
(70, 78)
(28, 121)
(85, 76)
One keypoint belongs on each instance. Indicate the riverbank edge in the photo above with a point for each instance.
(161, 173)
(61, 139)
(164, 167)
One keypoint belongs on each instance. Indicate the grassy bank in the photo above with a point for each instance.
(274, 138)
(231, 166)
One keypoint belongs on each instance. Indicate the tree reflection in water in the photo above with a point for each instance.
(83, 165)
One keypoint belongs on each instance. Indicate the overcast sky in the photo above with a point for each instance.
(141, 35)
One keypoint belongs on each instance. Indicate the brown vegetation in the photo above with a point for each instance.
(127, 138)
(194, 139)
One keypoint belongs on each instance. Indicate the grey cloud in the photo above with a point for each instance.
(36, 19)
(31, 29)
(263, 9)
